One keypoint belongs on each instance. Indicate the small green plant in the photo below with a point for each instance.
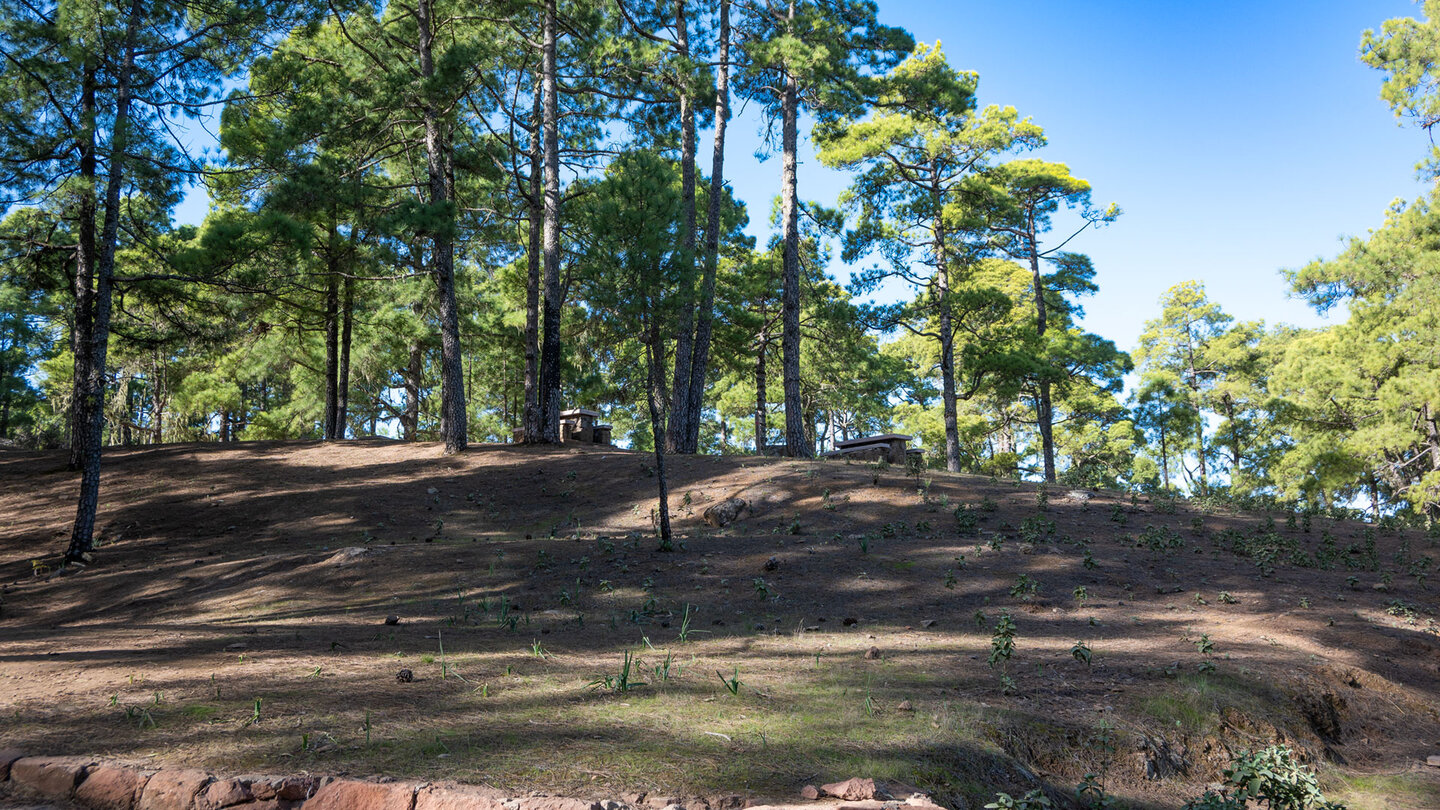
(1034, 800)
(1401, 609)
(685, 618)
(966, 521)
(1081, 652)
(662, 669)
(1091, 793)
(1226, 598)
(1162, 539)
(1271, 778)
(1002, 647)
(1081, 594)
(762, 588)
(950, 578)
(1205, 646)
(620, 681)
(538, 650)
(732, 684)
(1117, 514)
(1008, 686)
(1042, 498)
(1036, 528)
(1089, 561)
(1025, 588)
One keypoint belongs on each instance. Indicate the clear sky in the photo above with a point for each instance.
(1239, 136)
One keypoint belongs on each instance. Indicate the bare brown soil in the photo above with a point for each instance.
(235, 619)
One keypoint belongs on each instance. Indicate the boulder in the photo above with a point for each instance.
(724, 512)
(51, 777)
(285, 788)
(173, 789)
(224, 793)
(350, 794)
(555, 803)
(458, 798)
(111, 788)
(855, 789)
(7, 758)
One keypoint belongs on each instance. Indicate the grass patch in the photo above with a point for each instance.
(1383, 791)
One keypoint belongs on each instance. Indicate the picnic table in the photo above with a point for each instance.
(577, 425)
(891, 447)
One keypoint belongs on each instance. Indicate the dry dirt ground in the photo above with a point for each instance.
(236, 619)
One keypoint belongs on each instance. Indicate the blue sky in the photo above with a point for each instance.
(1239, 137)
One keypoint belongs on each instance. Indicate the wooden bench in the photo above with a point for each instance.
(577, 425)
(891, 447)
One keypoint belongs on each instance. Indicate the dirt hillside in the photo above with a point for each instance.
(252, 607)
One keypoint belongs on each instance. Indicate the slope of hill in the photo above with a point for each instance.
(251, 607)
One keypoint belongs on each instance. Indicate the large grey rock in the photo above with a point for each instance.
(724, 512)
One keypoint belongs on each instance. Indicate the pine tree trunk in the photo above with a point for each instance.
(410, 425)
(1164, 458)
(947, 349)
(760, 404)
(550, 238)
(332, 344)
(532, 421)
(92, 402)
(790, 284)
(347, 319)
(1204, 477)
(705, 312)
(680, 416)
(1044, 416)
(81, 332)
(438, 156)
(1430, 505)
(656, 398)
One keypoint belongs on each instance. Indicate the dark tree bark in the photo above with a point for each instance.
(347, 318)
(533, 421)
(656, 398)
(947, 353)
(410, 423)
(550, 238)
(332, 343)
(92, 401)
(1044, 415)
(790, 284)
(82, 330)
(705, 312)
(680, 415)
(761, 405)
(441, 189)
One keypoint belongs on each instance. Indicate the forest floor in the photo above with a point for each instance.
(235, 618)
